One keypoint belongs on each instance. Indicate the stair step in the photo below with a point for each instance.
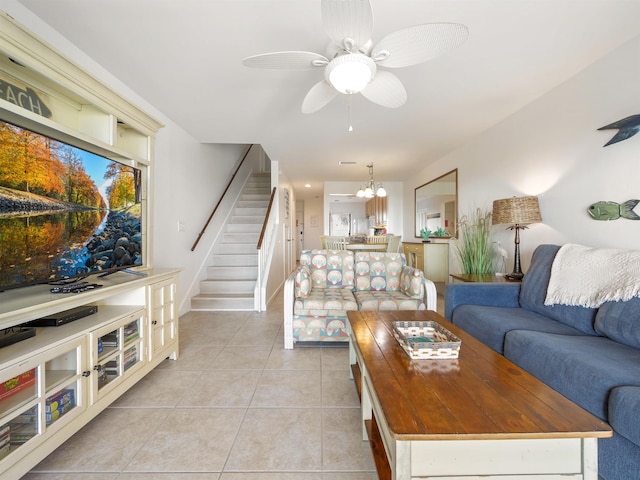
(252, 204)
(251, 237)
(233, 267)
(256, 189)
(245, 260)
(225, 287)
(235, 248)
(244, 228)
(226, 302)
(250, 211)
(247, 219)
(263, 197)
(232, 272)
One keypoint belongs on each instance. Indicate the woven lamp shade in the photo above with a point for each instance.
(516, 211)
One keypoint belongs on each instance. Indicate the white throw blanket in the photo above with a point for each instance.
(588, 277)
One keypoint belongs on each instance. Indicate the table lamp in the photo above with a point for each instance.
(516, 212)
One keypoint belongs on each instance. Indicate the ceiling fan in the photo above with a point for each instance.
(351, 63)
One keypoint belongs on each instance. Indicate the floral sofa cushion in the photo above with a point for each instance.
(329, 329)
(411, 282)
(302, 286)
(322, 315)
(373, 300)
(324, 301)
(378, 271)
(329, 268)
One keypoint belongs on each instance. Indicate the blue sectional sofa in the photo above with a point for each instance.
(589, 355)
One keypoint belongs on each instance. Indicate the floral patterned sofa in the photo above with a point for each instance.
(329, 283)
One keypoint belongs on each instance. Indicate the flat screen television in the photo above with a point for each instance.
(64, 212)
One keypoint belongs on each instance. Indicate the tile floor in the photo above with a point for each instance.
(234, 406)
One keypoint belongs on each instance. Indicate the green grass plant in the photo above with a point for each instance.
(474, 247)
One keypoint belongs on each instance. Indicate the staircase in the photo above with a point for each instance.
(233, 267)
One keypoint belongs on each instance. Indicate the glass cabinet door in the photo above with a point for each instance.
(39, 394)
(19, 410)
(163, 315)
(116, 350)
(63, 384)
(106, 368)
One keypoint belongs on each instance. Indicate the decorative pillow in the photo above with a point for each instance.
(378, 271)
(329, 268)
(411, 282)
(303, 282)
(620, 321)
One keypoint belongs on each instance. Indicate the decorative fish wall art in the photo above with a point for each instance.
(627, 128)
(613, 210)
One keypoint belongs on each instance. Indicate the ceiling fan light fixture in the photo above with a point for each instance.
(350, 73)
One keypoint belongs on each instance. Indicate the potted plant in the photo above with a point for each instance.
(474, 245)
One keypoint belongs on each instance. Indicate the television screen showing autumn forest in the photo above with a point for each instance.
(64, 212)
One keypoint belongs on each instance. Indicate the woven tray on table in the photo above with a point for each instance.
(426, 340)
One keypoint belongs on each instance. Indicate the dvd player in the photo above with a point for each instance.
(62, 318)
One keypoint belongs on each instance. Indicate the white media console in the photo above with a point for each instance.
(54, 383)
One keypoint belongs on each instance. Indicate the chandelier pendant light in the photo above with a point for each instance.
(370, 189)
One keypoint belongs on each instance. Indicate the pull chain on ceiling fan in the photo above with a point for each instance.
(351, 66)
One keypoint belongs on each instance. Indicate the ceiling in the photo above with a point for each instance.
(185, 58)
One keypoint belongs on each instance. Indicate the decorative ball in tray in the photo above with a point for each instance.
(426, 340)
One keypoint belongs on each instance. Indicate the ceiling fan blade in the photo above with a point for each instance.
(386, 90)
(417, 44)
(286, 60)
(319, 95)
(352, 19)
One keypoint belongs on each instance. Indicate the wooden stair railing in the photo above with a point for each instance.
(195, 244)
(266, 219)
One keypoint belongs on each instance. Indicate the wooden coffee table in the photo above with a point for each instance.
(478, 415)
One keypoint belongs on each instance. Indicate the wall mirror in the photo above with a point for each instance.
(436, 204)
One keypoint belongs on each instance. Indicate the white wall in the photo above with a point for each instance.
(552, 149)
(313, 223)
(189, 179)
(285, 253)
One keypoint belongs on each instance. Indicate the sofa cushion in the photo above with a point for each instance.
(312, 329)
(491, 324)
(373, 300)
(582, 368)
(302, 286)
(534, 291)
(620, 321)
(378, 271)
(618, 458)
(329, 268)
(411, 282)
(624, 405)
(325, 301)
